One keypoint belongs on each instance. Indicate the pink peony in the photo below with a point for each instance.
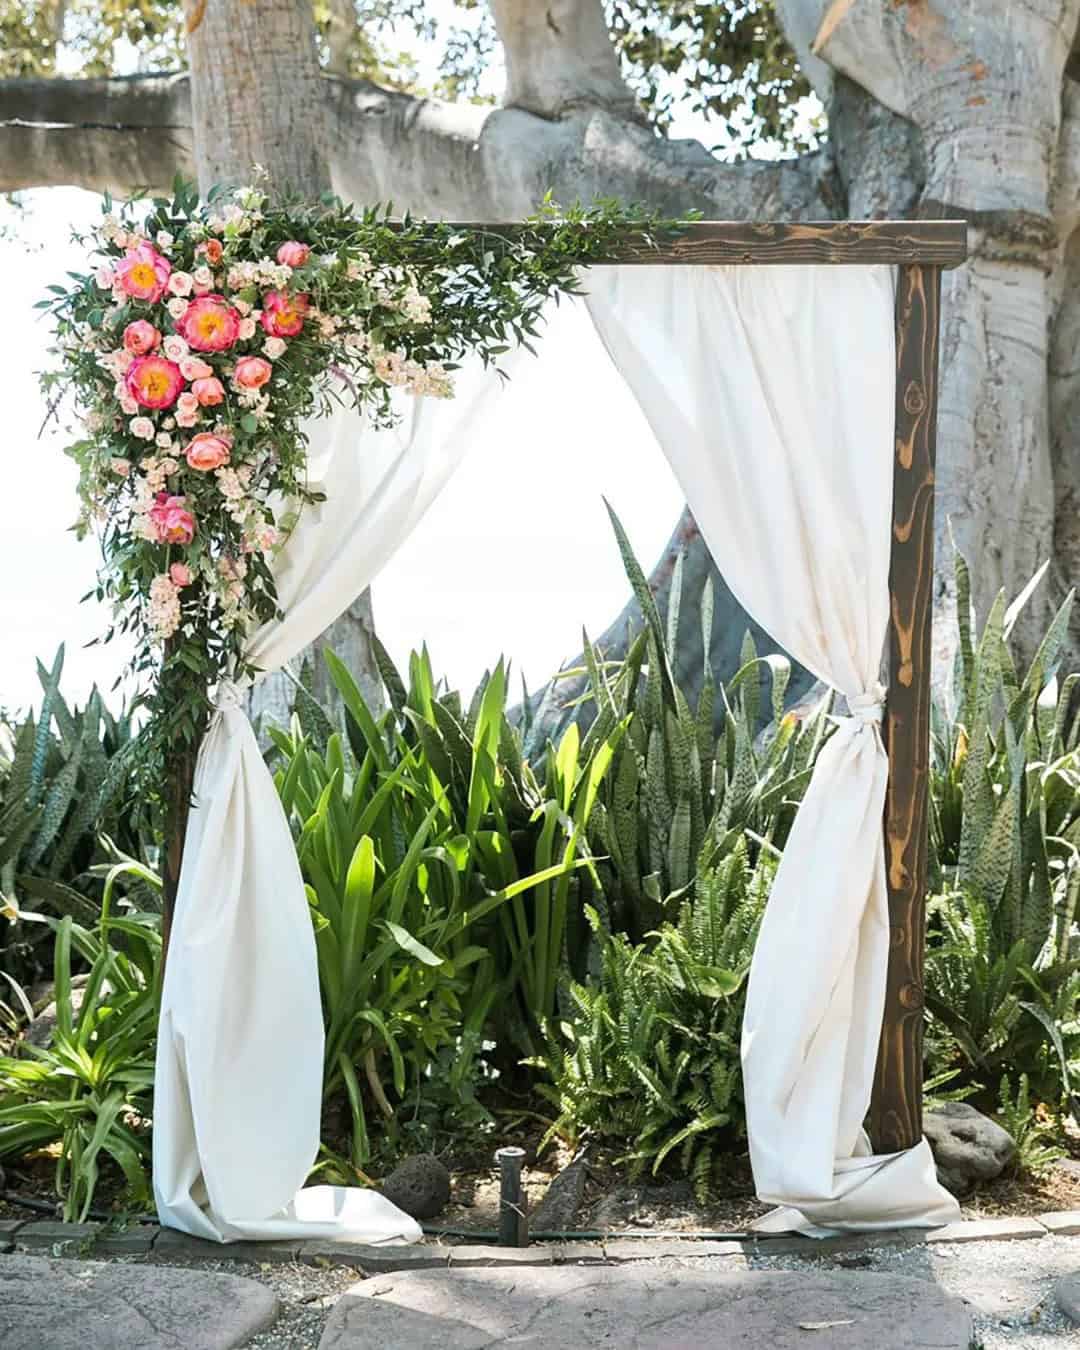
(209, 324)
(293, 253)
(154, 382)
(173, 523)
(180, 574)
(209, 392)
(252, 372)
(143, 273)
(194, 368)
(283, 314)
(209, 450)
(141, 337)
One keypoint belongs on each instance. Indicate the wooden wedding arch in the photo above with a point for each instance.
(920, 250)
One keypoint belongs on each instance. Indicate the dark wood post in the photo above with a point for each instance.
(896, 1109)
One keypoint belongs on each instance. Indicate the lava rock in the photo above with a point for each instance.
(558, 1209)
(420, 1186)
(968, 1147)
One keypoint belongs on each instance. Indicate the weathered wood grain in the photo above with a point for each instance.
(896, 1110)
(942, 243)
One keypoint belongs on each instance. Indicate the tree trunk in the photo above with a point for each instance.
(258, 98)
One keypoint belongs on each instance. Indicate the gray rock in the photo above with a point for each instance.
(648, 1308)
(558, 1209)
(968, 1146)
(420, 1186)
(1067, 1293)
(40, 1030)
(97, 1305)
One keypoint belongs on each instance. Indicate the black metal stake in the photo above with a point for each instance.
(513, 1215)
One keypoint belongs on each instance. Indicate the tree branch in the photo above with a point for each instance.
(559, 57)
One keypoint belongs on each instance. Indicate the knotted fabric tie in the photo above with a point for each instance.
(227, 695)
(868, 708)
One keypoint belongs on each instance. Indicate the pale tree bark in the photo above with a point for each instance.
(257, 98)
(935, 106)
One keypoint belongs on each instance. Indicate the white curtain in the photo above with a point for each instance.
(771, 391)
(238, 1083)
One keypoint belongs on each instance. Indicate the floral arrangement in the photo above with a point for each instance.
(202, 337)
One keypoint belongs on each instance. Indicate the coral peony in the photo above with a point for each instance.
(180, 574)
(209, 324)
(252, 372)
(154, 382)
(209, 392)
(172, 522)
(283, 314)
(293, 253)
(143, 273)
(209, 450)
(141, 337)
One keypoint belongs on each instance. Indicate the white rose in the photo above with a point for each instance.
(247, 329)
(203, 276)
(163, 440)
(142, 427)
(274, 347)
(176, 307)
(175, 347)
(180, 283)
(164, 239)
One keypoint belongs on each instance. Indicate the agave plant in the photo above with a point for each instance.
(675, 796)
(63, 782)
(1003, 967)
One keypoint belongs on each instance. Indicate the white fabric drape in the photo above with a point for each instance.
(238, 1084)
(771, 391)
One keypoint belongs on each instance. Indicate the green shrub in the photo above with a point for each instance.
(438, 869)
(88, 1091)
(649, 1055)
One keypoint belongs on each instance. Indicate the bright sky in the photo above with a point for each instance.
(514, 557)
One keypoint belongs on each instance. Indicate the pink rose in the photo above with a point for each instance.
(154, 382)
(188, 402)
(252, 372)
(141, 337)
(173, 523)
(128, 406)
(209, 450)
(209, 324)
(293, 253)
(283, 314)
(143, 273)
(194, 368)
(175, 348)
(180, 574)
(180, 283)
(209, 392)
(247, 329)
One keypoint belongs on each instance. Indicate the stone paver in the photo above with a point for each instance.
(1064, 1222)
(649, 1249)
(987, 1230)
(474, 1254)
(51, 1234)
(423, 1256)
(96, 1305)
(642, 1307)
(8, 1229)
(132, 1241)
